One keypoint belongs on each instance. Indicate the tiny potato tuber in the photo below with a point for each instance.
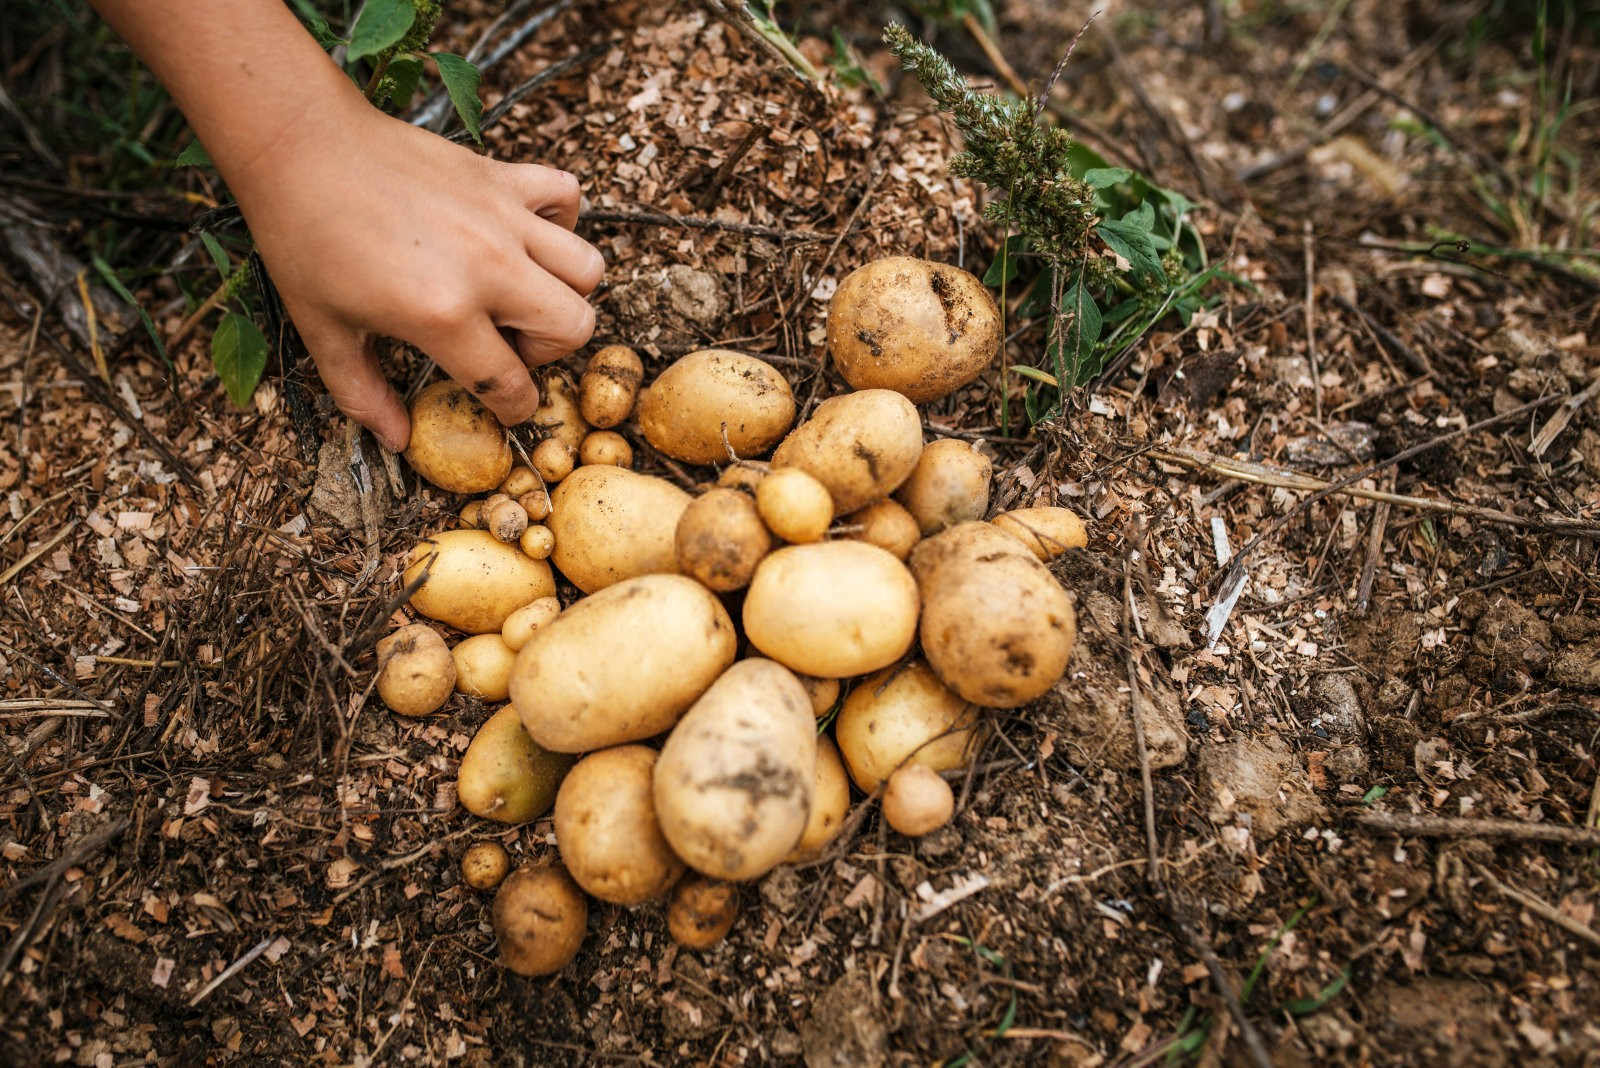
(554, 459)
(471, 515)
(917, 801)
(521, 480)
(606, 447)
(702, 911)
(558, 415)
(484, 865)
(506, 520)
(795, 506)
(537, 542)
(520, 625)
(888, 526)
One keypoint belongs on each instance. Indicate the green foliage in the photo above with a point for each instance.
(461, 82)
(239, 353)
(763, 14)
(194, 154)
(848, 68)
(380, 27)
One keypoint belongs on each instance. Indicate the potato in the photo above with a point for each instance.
(824, 693)
(521, 480)
(553, 459)
(623, 664)
(606, 447)
(950, 485)
(540, 918)
(832, 609)
(720, 539)
(609, 386)
(607, 831)
(611, 524)
(888, 526)
(536, 502)
(860, 446)
(537, 542)
(457, 443)
(416, 674)
(507, 776)
(745, 475)
(734, 781)
(924, 329)
(471, 515)
(484, 865)
(917, 801)
(702, 912)
(474, 582)
(795, 506)
(483, 666)
(1047, 532)
(830, 802)
(903, 714)
(558, 415)
(686, 410)
(520, 625)
(996, 626)
(506, 520)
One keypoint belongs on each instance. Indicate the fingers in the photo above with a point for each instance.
(549, 317)
(349, 369)
(477, 356)
(565, 255)
(548, 193)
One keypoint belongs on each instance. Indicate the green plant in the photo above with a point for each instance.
(764, 17)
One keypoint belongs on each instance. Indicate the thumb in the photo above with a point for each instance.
(348, 364)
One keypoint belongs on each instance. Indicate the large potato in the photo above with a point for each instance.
(611, 524)
(474, 581)
(720, 539)
(903, 713)
(832, 608)
(457, 443)
(996, 626)
(950, 485)
(507, 776)
(830, 802)
(621, 665)
(734, 782)
(607, 831)
(861, 446)
(686, 410)
(540, 919)
(923, 329)
(1047, 532)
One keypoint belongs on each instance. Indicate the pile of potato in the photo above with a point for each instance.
(675, 715)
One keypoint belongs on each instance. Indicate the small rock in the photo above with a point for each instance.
(1261, 780)
(696, 295)
(1347, 763)
(1349, 442)
(1576, 628)
(845, 1028)
(1394, 694)
(1338, 708)
(1578, 667)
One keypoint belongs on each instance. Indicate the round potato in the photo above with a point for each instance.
(537, 542)
(483, 666)
(609, 386)
(612, 524)
(950, 485)
(474, 581)
(540, 918)
(861, 446)
(521, 480)
(416, 673)
(903, 714)
(607, 831)
(1047, 532)
(606, 447)
(536, 502)
(832, 609)
(520, 625)
(887, 525)
(996, 626)
(720, 539)
(824, 693)
(745, 475)
(795, 506)
(623, 664)
(558, 415)
(484, 865)
(553, 459)
(923, 329)
(506, 520)
(713, 400)
(830, 802)
(702, 912)
(917, 801)
(457, 443)
(507, 776)
(734, 781)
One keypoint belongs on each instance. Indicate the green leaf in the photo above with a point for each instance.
(1004, 268)
(219, 255)
(1131, 242)
(239, 353)
(194, 154)
(315, 23)
(1080, 336)
(1036, 301)
(380, 25)
(461, 82)
(1081, 159)
(110, 278)
(1143, 216)
(1374, 794)
(1305, 1006)
(405, 72)
(1101, 177)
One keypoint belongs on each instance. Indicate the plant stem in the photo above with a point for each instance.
(378, 72)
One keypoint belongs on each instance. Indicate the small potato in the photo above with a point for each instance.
(537, 542)
(606, 447)
(415, 671)
(536, 502)
(520, 625)
(922, 328)
(830, 803)
(521, 480)
(950, 485)
(553, 459)
(507, 776)
(474, 581)
(917, 801)
(611, 524)
(1047, 532)
(745, 475)
(607, 831)
(824, 693)
(506, 520)
(457, 443)
(734, 780)
(795, 506)
(609, 386)
(903, 714)
(484, 865)
(540, 918)
(720, 539)
(702, 912)
(832, 608)
(713, 400)
(471, 515)
(888, 526)
(483, 666)
(558, 415)
(861, 446)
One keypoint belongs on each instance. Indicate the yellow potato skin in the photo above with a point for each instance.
(1047, 532)
(916, 801)
(720, 539)
(416, 672)
(887, 525)
(540, 918)
(795, 506)
(902, 713)
(507, 776)
(483, 666)
(861, 446)
(684, 411)
(702, 912)
(950, 485)
(830, 802)
(456, 443)
(612, 524)
(609, 386)
(558, 415)
(607, 831)
(474, 581)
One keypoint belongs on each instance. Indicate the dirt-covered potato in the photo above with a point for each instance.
(553, 459)
(506, 520)
(457, 443)
(861, 446)
(520, 625)
(507, 776)
(537, 542)
(1047, 532)
(606, 447)
(688, 409)
(996, 625)
(521, 480)
(924, 329)
(474, 581)
(607, 831)
(483, 666)
(609, 386)
(950, 485)
(484, 865)
(830, 802)
(558, 415)
(702, 911)
(887, 525)
(536, 502)
(416, 674)
(824, 693)
(621, 665)
(720, 539)
(611, 524)
(733, 783)
(795, 506)
(903, 713)
(917, 801)
(832, 609)
(471, 515)
(540, 918)
(745, 475)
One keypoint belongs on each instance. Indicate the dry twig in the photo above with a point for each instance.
(1461, 827)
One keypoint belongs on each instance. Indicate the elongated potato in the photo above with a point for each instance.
(720, 539)
(457, 443)
(832, 608)
(950, 485)
(734, 783)
(609, 386)
(903, 713)
(861, 446)
(558, 414)
(520, 625)
(483, 666)
(887, 525)
(507, 776)
(621, 665)
(830, 802)
(1047, 532)
(607, 831)
(996, 626)
(612, 524)
(540, 918)
(686, 409)
(474, 581)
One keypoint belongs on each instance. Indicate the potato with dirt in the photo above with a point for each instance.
(623, 664)
(485, 865)
(540, 918)
(713, 400)
(887, 525)
(457, 443)
(950, 485)
(558, 416)
(860, 446)
(536, 542)
(505, 775)
(830, 803)
(702, 911)
(1047, 532)
(920, 328)
(553, 460)
(611, 524)
(483, 666)
(733, 785)
(917, 801)
(606, 447)
(720, 539)
(794, 506)
(607, 831)
(610, 386)
(504, 518)
(474, 581)
(903, 714)
(416, 673)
